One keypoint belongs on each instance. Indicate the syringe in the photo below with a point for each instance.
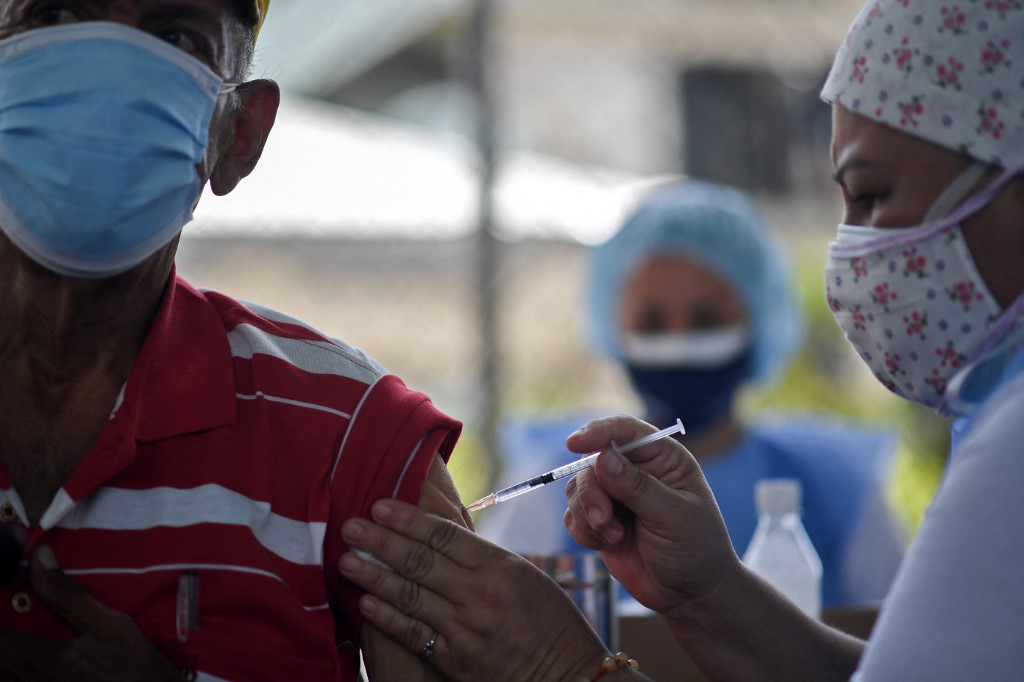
(568, 470)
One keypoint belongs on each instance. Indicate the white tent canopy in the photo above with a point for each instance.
(332, 171)
(313, 46)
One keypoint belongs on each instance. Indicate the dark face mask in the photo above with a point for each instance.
(700, 397)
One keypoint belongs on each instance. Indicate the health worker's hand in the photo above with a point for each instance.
(651, 515)
(491, 614)
(110, 646)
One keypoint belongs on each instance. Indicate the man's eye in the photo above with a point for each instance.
(55, 16)
(183, 40)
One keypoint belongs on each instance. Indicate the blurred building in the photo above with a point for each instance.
(363, 217)
(650, 86)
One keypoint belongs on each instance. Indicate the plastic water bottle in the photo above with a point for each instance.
(780, 551)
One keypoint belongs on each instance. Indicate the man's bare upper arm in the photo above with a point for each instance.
(385, 658)
(440, 497)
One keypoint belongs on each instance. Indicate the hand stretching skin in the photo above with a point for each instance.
(653, 518)
(109, 647)
(384, 657)
(496, 616)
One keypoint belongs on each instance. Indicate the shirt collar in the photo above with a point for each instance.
(183, 380)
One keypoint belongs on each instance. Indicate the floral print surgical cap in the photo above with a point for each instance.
(949, 72)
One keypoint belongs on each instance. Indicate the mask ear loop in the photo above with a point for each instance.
(955, 192)
(1001, 335)
(995, 338)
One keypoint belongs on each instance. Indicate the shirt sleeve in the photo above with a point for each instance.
(387, 452)
(954, 611)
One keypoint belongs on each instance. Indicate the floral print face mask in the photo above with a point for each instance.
(911, 301)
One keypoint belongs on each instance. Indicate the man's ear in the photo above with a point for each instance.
(260, 100)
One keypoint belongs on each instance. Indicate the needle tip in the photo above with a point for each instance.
(481, 503)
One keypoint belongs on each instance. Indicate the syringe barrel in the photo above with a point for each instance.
(572, 468)
(518, 489)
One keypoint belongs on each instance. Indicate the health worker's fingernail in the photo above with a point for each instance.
(382, 511)
(354, 529)
(368, 605)
(612, 464)
(613, 534)
(596, 517)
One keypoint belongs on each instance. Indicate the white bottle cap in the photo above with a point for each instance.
(777, 496)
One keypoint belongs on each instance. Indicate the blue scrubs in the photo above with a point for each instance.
(842, 468)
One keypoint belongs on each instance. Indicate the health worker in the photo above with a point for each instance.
(926, 278)
(693, 298)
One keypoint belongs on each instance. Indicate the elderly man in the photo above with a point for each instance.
(177, 464)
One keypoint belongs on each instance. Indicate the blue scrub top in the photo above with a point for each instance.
(842, 468)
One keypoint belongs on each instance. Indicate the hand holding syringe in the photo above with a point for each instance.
(568, 470)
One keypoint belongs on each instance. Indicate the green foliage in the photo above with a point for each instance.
(468, 467)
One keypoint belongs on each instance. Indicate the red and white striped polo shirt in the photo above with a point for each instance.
(210, 508)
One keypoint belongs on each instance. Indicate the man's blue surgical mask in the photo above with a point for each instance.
(102, 127)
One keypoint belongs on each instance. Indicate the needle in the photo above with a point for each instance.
(568, 470)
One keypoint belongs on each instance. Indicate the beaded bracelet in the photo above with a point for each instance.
(611, 663)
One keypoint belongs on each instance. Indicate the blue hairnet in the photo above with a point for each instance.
(722, 229)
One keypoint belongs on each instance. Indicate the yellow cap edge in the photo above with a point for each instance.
(261, 14)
